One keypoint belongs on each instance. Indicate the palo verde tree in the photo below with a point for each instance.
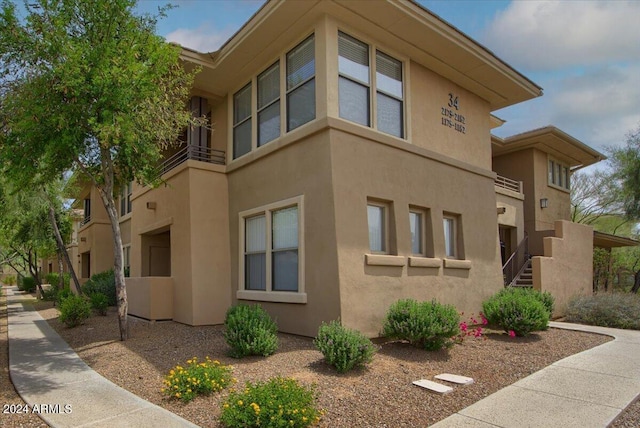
(86, 85)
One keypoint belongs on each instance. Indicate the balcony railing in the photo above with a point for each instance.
(509, 184)
(516, 262)
(85, 220)
(202, 154)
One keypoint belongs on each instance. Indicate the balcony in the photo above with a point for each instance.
(85, 220)
(508, 184)
(198, 153)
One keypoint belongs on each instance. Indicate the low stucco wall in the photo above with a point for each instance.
(150, 297)
(566, 269)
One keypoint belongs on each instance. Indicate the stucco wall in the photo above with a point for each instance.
(566, 269)
(366, 169)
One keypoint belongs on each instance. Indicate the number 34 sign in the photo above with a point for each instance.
(450, 116)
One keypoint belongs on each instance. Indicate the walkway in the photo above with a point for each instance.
(589, 389)
(47, 372)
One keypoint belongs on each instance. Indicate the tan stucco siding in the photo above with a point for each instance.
(299, 169)
(428, 96)
(365, 169)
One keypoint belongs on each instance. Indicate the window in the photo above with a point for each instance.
(559, 174)
(198, 136)
(271, 251)
(125, 199)
(126, 262)
(450, 237)
(355, 86)
(301, 85)
(376, 217)
(242, 122)
(417, 233)
(87, 212)
(269, 104)
(300, 92)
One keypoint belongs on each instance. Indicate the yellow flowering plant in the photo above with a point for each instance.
(278, 402)
(197, 378)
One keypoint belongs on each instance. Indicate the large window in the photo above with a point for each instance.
(558, 174)
(355, 86)
(452, 237)
(297, 85)
(271, 247)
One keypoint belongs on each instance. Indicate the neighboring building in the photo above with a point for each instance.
(350, 165)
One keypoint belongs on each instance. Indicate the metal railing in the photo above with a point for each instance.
(516, 262)
(509, 184)
(202, 154)
(85, 220)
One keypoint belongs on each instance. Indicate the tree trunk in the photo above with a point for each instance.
(636, 282)
(106, 194)
(62, 250)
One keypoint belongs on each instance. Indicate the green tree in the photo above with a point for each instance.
(625, 163)
(87, 85)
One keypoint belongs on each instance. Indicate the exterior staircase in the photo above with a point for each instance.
(524, 279)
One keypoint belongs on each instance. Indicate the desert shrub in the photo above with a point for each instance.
(103, 282)
(52, 278)
(617, 310)
(27, 284)
(428, 325)
(9, 280)
(99, 303)
(50, 294)
(197, 378)
(63, 294)
(74, 310)
(278, 402)
(343, 348)
(249, 330)
(517, 310)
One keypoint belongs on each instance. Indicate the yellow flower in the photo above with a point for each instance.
(225, 405)
(304, 419)
(239, 402)
(178, 395)
(172, 372)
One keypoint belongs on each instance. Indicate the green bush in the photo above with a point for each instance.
(428, 325)
(62, 295)
(50, 294)
(185, 383)
(99, 303)
(519, 310)
(250, 331)
(27, 284)
(343, 348)
(277, 402)
(74, 310)
(103, 282)
(51, 278)
(9, 280)
(617, 310)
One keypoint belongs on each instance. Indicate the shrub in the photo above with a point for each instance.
(250, 331)
(27, 284)
(99, 303)
(428, 325)
(343, 348)
(62, 295)
(617, 310)
(277, 402)
(517, 310)
(74, 310)
(185, 383)
(52, 278)
(103, 282)
(9, 280)
(50, 294)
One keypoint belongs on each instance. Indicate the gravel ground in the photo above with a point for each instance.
(380, 396)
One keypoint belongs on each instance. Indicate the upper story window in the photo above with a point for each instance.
(356, 86)
(298, 89)
(87, 211)
(125, 199)
(558, 174)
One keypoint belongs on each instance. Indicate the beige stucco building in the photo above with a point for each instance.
(350, 164)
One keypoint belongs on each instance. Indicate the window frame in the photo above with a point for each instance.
(283, 100)
(269, 294)
(454, 238)
(421, 233)
(125, 199)
(558, 175)
(374, 91)
(384, 238)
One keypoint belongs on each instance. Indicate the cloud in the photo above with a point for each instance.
(203, 38)
(548, 35)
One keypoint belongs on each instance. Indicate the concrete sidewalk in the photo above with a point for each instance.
(48, 374)
(589, 389)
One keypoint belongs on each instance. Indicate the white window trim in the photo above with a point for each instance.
(423, 241)
(385, 224)
(270, 295)
(456, 250)
(373, 84)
